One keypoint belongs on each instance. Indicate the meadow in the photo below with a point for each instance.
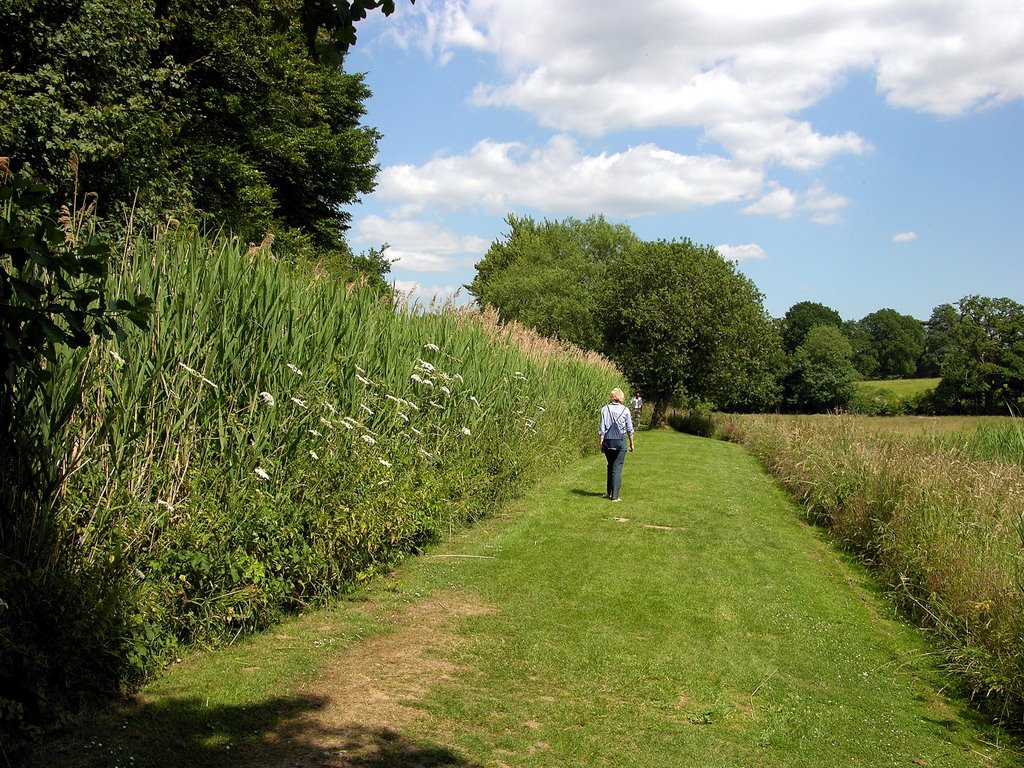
(273, 440)
(936, 507)
(700, 622)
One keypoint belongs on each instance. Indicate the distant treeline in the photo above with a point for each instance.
(677, 323)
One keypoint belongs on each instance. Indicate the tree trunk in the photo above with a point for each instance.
(658, 417)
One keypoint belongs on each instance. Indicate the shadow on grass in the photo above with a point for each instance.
(584, 492)
(269, 734)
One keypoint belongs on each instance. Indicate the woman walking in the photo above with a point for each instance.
(615, 428)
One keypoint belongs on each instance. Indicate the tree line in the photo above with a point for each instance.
(688, 329)
(235, 115)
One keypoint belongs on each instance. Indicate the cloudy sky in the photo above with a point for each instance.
(859, 153)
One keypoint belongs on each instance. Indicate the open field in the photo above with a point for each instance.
(900, 387)
(700, 622)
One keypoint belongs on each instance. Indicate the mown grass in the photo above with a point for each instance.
(899, 387)
(699, 622)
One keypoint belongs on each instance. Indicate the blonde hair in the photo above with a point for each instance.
(617, 395)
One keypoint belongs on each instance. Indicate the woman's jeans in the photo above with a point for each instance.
(615, 453)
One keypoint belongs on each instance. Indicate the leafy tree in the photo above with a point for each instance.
(896, 342)
(938, 339)
(682, 322)
(546, 275)
(801, 317)
(983, 368)
(821, 376)
(864, 359)
(181, 106)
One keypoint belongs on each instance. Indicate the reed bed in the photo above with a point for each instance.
(270, 442)
(942, 528)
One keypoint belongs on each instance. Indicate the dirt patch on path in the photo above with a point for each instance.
(367, 695)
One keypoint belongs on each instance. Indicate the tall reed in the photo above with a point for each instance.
(273, 440)
(943, 529)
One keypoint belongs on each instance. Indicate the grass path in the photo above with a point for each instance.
(697, 623)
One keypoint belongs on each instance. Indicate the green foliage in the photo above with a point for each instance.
(211, 112)
(983, 365)
(821, 376)
(53, 269)
(55, 295)
(271, 442)
(697, 423)
(895, 341)
(330, 25)
(938, 339)
(801, 318)
(547, 275)
(680, 320)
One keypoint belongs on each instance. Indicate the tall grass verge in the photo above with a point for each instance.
(943, 529)
(268, 444)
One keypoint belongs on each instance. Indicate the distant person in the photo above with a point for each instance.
(615, 428)
(636, 406)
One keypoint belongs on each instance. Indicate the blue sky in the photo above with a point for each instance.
(864, 155)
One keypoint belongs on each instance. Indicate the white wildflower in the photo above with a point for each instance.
(416, 431)
(432, 347)
(365, 380)
(162, 503)
(446, 390)
(541, 408)
(366, 408)
(267, 398)
(331, 408)
(417, 378)
(403, 417)
(314, 456)
(428, 383)
(300, 403)
(294, 369)
(426, 454)
(325, 422)
(314, 433)
(117, 357)
(437, 405)
(465, 431)
(349, 422)
(369, 440)
(520, 375)
(360, 369)
(385, 463)
(425, 366)
(458, 378)
(261, 473)
(474, 400)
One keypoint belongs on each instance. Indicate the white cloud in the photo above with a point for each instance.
(904, 237)
(419, 246)
(824, 205)
(787, 142)
(558, 177)
(741, 252)
(597, 66)
(779, 202)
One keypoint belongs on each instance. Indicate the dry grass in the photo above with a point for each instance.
(944, 531)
